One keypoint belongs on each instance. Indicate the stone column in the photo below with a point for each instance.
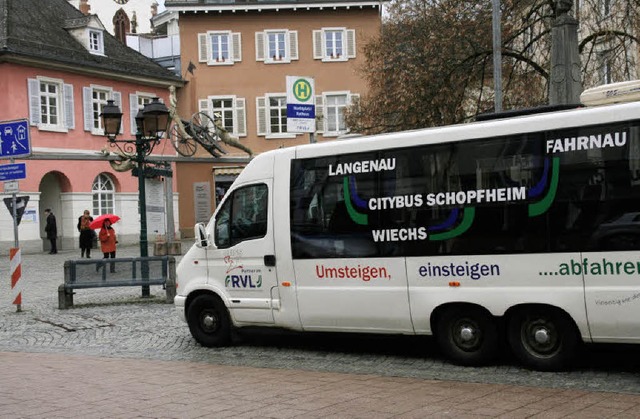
(565, 83)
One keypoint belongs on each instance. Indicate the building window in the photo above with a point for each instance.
(335, 106)
(604, 59)
(331, 110)
(95, 98)
(277, 46)
(98, 101)
(278, 115)
(334, 44)
(219, 48)
(51, 104)
(230, 110)
(103, 195)
(121, 26)
(272, 116)
(137, 101)
(605, 7)
(96, 43)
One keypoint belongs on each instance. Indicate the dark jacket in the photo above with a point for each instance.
(51, 228)
(86, 233)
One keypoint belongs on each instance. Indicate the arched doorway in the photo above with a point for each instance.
(52, 185)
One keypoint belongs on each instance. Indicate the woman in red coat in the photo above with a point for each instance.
(108, 242)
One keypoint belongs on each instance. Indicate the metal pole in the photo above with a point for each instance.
(142, 198)
(497, 57)
(168, 193)
(16, 242)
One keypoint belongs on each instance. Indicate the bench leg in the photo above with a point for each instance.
(65, 298)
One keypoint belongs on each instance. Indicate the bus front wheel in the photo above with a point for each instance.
(208, 321)
(467, 335)
(542, 338)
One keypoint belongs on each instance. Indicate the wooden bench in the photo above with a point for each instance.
(118, 272)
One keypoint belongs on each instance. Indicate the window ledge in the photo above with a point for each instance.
(53, 128)
(216, 63)
(279, 136)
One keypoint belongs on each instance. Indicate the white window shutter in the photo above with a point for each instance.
(293, 45)
(117, 100)
(260, 46)
(33, 86)
(203, 48)
(69, 116)
(237, 46)
(203, 106)
(351, 43)
(318, 52)
(240, 120)
(86, 107)
(133, 111)
(261, 115)
(319, 114)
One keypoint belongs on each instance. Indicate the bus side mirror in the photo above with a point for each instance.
(202, 238)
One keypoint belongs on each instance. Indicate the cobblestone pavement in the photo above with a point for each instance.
(113, 331)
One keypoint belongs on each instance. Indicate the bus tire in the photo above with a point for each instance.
(467, 335)
(542, 338)
(209, 321)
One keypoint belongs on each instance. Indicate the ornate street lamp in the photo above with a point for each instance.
(151, 123)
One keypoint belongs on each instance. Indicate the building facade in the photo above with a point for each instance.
(59, 68)
(240, 54)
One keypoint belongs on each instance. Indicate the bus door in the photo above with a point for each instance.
(612, 295)
(244, 261)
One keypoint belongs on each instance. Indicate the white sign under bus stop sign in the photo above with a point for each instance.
(11, 186)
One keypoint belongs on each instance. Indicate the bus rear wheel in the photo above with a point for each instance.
(542, 338)
(467, 335)
(208, 321)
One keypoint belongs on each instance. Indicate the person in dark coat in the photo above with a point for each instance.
(51, 229)
(86, 234)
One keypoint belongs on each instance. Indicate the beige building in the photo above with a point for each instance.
(240, 56)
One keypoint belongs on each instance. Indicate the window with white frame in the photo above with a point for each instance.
(95, 98)
(276, 46)
(605, 7)
(103, 192)
(219, 47)
(331, 109)
(271, 111)
(137, 101)
(51, 106)
(96, 42)
(230, 110)
(334, 44)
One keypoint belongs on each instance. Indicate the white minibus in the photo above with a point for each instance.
(524, 231)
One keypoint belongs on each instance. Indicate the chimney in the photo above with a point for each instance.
(154, 8)
(84, 7)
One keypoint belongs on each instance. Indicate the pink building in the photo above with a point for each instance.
(58, 68)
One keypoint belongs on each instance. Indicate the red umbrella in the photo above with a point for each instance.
(99, 220)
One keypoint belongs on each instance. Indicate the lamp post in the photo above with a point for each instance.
(151, 122)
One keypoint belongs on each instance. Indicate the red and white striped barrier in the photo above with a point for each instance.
(16, 272)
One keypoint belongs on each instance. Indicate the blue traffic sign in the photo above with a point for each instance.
(14, 139)
(13, 171)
